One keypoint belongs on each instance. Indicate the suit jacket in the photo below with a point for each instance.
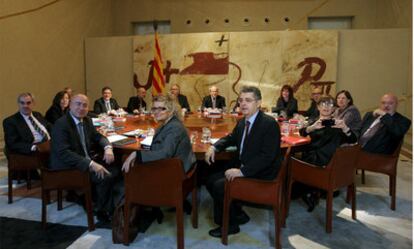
(324, 143)
(387, 138)
(136, 103)
(289, 107)
(100, 107)
(312, 112)
(170, 140)
(54, 113)
(351, 116)
(17, 134)
(208, 103)
(182, 100)
(261, 157)
(66, 147)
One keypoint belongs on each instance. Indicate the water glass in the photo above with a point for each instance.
(206, 136)
(193, 137)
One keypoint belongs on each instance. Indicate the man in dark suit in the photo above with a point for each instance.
(76, 144)
(214, 100)
(105, 104)
(384, 128)
(24, 130)
(137, 103)
(257, 138)
(182, 99)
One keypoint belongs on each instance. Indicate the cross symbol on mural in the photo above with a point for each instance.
(168, 71)
(221, 40)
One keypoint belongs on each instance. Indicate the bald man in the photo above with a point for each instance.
(137, 103)
(76, 144)
(214, 100)
(384, 128)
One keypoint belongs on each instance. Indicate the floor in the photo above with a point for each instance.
(376, 227)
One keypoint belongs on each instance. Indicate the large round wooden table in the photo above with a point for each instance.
(219, 126)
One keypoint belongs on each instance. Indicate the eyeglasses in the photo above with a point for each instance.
(158, 109)
(247, 100)
(326, 104)
(25, 103)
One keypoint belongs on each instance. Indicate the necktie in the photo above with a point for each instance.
(363, 140)
(38, 129)
(108, 106)
(245, 137)
(82, 139)
(214, 102)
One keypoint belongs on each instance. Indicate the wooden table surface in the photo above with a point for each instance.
(219, 127)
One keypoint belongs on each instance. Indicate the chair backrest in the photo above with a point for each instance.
(342, 165)
(155, 183)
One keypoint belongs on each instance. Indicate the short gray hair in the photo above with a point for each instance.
(26, 94)
(252, 89)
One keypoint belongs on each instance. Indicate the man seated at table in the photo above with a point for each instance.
(182, 99)
(105, 104)
(214, 100)
(384, 128)
(77, 144)
(257, 138)
(26, 129)
(136, 104)
(313, 113)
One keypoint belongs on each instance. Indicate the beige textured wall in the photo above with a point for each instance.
(368, 14)
(43, 51)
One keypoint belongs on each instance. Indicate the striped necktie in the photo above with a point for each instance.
(82, 139)
(38, 129)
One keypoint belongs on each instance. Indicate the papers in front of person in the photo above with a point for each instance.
(135, 133)
(115, 138)
(146, 143)
(97, 122)
(214, 140)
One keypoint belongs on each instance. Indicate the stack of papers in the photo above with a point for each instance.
(115, 138)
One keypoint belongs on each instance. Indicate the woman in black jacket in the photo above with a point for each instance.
(286, 103)
(59, 107)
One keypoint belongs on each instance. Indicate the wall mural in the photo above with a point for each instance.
(302, 59)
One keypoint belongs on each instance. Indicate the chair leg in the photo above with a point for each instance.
(363, 176)
(225, 225)
(180, 224)
(10, 182)
(329, 198)
(88, 202)
(353, 194)
(288, 197)
(59, 200)
(393, 190)
(29, 180)
(348, 194)
(194, 213)
(127, 208)
(45, 194)
(277, 227)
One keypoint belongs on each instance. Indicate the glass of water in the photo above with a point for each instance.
(206, 136)
(193, 137)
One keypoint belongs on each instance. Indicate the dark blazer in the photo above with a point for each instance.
(66, 147)
(324, 143)
(170, 140)
(54, 113)
(261, 157)
(135, 103)
(182, 100)
(17, 134)
(312, 113)
(208, 103)
(99, 106)
(289, 107)
(386, 140)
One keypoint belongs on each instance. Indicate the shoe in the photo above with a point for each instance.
(242, 218)
(216, 232)
(103, 217)
(335, 194)
(186, 208)
(72, 196)
(311, 201)
(159, 216)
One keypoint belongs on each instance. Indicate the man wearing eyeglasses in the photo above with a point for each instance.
(257, 138)
(24, 130)
(384, 128)
(214, 100)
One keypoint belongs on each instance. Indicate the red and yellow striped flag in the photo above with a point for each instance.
(158, 81)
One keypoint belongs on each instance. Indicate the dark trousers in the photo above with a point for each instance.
(215, 186)
(104, 191)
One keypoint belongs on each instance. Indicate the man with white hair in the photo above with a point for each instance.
(214, 100)
(384, 128)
